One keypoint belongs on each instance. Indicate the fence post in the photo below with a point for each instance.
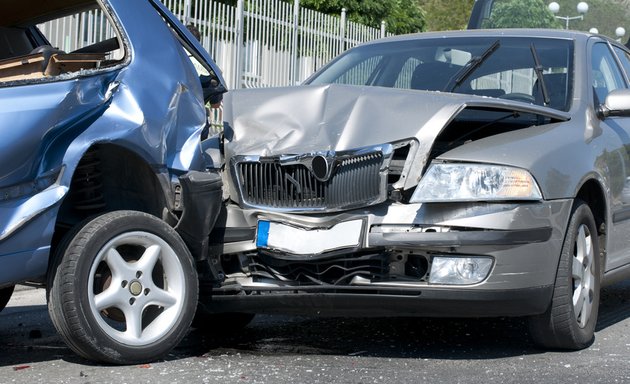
(342, 32)
(240, 21)
(187, 12)
(294, 42)
(383, 28)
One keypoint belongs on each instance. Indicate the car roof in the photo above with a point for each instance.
(510, 32)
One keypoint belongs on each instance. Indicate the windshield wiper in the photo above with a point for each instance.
(470, 67)
(539, 74)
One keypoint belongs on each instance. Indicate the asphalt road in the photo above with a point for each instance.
(315, 350)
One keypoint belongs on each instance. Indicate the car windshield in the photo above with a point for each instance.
(502, 67)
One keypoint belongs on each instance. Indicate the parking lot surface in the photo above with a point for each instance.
(280, 349)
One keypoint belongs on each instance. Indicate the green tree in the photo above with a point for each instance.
(446, 15)
(522, 14)
(605, 15)
(401, 16)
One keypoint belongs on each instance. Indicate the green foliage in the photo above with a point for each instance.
(401, 16)
(446, 15)
(522, 14)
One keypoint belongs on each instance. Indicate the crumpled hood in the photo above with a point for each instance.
(304, 119)
(330, 117)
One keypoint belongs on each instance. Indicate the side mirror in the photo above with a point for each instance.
(617, 104)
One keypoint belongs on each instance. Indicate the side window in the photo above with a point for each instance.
(67, 45)
(605, 73)
(624, 58)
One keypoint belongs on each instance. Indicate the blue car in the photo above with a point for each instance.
(105, 196)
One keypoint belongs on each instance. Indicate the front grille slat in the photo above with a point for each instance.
(356, 181)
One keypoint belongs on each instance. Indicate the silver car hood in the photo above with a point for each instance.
(310, 119)
(304, 119)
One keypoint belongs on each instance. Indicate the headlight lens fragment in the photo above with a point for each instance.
(475, 182)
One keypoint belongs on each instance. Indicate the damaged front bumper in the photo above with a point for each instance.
(386, 261)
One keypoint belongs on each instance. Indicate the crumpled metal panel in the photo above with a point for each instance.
(296, 120)
(329, 117)
(34, 120)
(337, 117)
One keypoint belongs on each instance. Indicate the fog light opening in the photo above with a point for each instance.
(416, 267)
(452, 270)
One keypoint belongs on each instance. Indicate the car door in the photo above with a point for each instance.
(606, 76)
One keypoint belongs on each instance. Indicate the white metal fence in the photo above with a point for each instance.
(261, 43)
(258, 43)
(74, 32)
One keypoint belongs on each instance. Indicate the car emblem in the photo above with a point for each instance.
(321, 167)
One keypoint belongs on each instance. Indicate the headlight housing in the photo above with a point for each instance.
(447, 182)
(454, 270)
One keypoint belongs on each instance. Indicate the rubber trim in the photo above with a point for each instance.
(450, 239)
(431, 302)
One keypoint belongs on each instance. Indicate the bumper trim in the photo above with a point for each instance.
(433, 302)
(31, 208)
(459, 238)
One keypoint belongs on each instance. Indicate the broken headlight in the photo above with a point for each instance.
(445, 182)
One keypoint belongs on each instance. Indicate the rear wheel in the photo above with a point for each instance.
(5, 296)
(569, 323)
(125, 289)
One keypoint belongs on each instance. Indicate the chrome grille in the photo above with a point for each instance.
(356, 181)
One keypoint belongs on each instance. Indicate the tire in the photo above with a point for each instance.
(5, 296)
(569, 322)
(58, 253)
(125, 290)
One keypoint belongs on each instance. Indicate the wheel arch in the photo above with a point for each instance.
(110, 177)
(592, 193)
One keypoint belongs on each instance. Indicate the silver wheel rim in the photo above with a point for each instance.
(583, 273)
(137, 288)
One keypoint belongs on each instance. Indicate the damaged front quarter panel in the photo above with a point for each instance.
(272, 125)
(315, 118)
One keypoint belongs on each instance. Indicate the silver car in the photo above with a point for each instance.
(468, 174)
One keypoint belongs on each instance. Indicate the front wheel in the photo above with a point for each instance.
(125, 290)
(569, 322)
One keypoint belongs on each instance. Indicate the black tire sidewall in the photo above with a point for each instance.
(557, 327)
(80, 256)
(581, 216)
